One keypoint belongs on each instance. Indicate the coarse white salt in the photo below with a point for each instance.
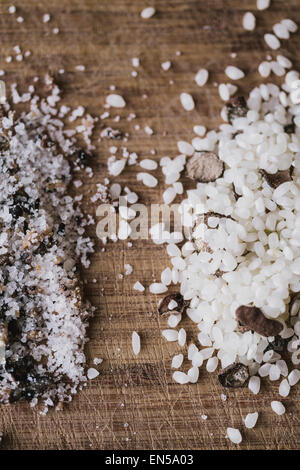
(128, 269)
(148, 164)
(169, 195)
(166, 65)
(170, 335)
(115, 101)
(157, 288)
(290, 25)
(12, 9)
(148, 130)
(254, 384)
(278, 407)
(92, 373)
(181, 377)
(201, 77)
(187, 101)
(135, 62)
(263, 4)
(204, 417)
(139, 287)
(181, 337)
(177, 361)
(116, 167)
(46, 18)
(185, 148)
(148, 180)
(284, 388)
(193, 374)
(234, 73)
(20, 19)
(249, 21)
(97, 361)
(251, 420)
(80, 68)
(147, 13)
(272, 41)
(294, 377)
(234, 435)
(274, 373)
(136, 343)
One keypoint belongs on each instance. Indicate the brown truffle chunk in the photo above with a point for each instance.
(278, 178)
(204, 167)
(236, 107)
(164, 305)
(234, 376)
(253, 318)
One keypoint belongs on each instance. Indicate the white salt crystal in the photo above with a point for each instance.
(234, 435)
(128, 269)
(177, 361)
(139, 287)
(251, 419)
(46, 18)
(274, 372)
(136, 343)
(284, 388)
(199, 130)
(147, 12)
(170, 335)
(201, 77)
(249, 21)
(284, 61)
(92, 373)
(166, 65)
(272, 41)
(263, 4)
(254, 384)
(12, 9)
(187, 101)
(234, 73)
(115, 168)
(135, 61)
(116, 101)
(277, 407)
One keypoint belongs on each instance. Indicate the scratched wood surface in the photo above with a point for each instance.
(134, 404)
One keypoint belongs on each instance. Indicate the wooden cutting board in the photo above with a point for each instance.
(134, 404)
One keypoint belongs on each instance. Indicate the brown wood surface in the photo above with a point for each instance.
(134, 404)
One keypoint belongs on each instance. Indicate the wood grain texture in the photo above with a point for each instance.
(134, 404)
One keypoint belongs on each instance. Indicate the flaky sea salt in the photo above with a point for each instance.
(92, 373)
(254, 384)
(263, 4)
(166, 65)
(139, 287)
(115, 101)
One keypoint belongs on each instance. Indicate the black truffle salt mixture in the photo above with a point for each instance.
(43, 317)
